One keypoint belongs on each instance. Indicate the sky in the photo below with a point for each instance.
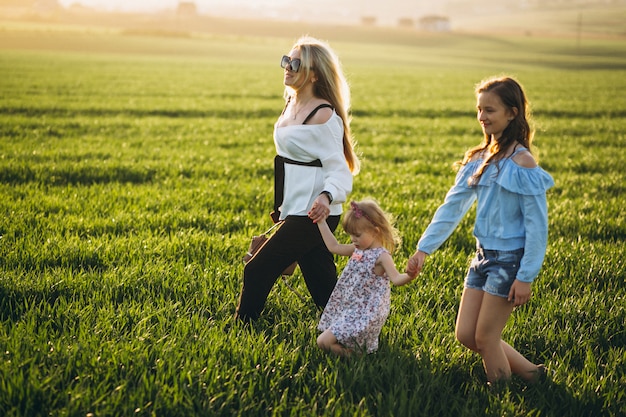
(131, 5)
(299, 9)
(155, 5)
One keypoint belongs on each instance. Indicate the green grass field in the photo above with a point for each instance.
(135, 169)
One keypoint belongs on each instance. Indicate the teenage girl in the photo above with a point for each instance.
(511, 227)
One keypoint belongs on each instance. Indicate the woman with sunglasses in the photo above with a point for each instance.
(314, 167)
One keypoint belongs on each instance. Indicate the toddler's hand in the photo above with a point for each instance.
(320, 209)
(411, 268)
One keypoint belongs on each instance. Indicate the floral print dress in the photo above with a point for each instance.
(359, 304)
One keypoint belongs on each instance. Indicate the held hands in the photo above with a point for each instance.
(415, 264)
(520, 293)
(320, 209)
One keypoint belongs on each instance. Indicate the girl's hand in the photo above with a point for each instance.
(320, 209)
(415, 264)
(520, 293)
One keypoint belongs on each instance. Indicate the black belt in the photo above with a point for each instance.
(279, 180)
(493, 252)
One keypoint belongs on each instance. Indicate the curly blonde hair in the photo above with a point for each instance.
(366, 215)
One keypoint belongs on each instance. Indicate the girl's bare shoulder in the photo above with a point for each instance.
(525, 159)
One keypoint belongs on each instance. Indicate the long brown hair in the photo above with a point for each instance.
(512, 96)
(331, 85)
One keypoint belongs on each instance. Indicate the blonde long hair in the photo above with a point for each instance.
(331, 85)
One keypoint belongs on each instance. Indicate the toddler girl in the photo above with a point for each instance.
(359, 304)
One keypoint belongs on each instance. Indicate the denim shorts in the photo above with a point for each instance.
(493, 271)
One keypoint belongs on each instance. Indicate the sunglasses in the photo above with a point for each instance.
(294, 64)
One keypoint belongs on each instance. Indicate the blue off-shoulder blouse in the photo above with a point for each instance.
(511, 212)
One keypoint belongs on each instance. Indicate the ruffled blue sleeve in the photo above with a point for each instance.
(524, 181)
(448, 216)
(464, 174)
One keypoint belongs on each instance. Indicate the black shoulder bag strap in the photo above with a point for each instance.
(279, 171)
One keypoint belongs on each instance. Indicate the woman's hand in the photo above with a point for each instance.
(320, 209)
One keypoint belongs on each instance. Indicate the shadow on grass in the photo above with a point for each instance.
(394, 382)
(404, 381)
(551, 398)
(16, 302)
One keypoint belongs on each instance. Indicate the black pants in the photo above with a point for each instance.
(298, 239)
